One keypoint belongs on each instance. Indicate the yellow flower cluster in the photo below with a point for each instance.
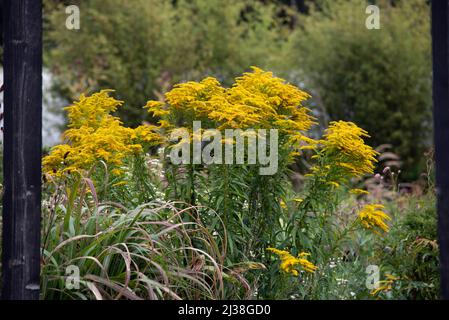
(358, 191)
(373, 218)
(256, 100)
(343, 143)
(385, 285)
(293, 265)
(342, 154)
(95, 135)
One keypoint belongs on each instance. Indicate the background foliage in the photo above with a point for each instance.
(380, 79)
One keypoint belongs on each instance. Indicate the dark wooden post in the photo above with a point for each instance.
(22, 21)
(440, 51)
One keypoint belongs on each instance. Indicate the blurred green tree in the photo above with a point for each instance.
(140, 47)
(380, 79)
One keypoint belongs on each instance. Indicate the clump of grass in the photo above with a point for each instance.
(159, 250)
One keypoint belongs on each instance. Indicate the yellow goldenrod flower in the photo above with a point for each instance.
(156, 108)
(373, 218)
(94, 135)
(358, 191)
(256, 100)
(311, 147)
(334, 184)
(385, 285)
(342, 153)
(283, 204)
(293, 265)
(343, 143)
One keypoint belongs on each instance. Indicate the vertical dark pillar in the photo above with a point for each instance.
(440, 52)
(22, 21)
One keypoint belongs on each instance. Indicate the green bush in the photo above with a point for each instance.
(380, 79)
